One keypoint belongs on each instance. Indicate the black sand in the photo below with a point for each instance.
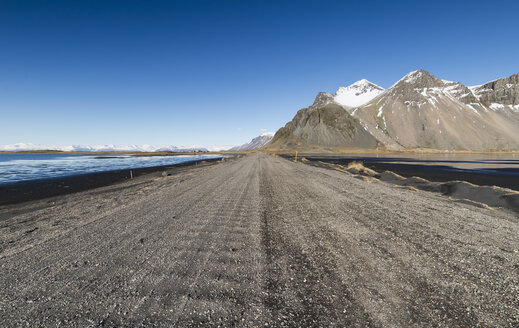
(505, 178)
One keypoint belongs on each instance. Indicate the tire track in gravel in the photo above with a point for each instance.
(211, 188)
(451, 303)
(303, 289)
(258, 241)
(96, 246)
(323, 228)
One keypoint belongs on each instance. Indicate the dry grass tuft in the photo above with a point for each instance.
(359, 168)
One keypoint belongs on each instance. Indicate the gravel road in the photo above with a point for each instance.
(257, 241)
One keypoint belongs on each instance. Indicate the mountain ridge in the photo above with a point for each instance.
(423, 111)
(255, 143)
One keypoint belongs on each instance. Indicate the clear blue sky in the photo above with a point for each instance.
(219, 72)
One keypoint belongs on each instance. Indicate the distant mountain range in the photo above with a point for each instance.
(255, 143)
(132, 148)
(418, 111)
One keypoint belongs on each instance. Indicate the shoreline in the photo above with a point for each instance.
(24, 191)
(134, 153)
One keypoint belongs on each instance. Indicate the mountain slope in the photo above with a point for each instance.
(423, 111)
(255, 143)
(324, 123)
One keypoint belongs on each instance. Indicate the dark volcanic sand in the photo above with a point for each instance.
(507, 178)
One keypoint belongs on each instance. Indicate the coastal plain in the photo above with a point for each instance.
(257, 241)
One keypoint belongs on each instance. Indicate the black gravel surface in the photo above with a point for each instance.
(254, 242)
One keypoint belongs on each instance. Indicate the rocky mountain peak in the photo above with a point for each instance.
(322, 99)
(360, 86)
(419, 79)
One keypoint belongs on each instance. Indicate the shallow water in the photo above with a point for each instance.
(26, 167)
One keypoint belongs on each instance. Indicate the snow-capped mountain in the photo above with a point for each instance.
(122, 148)
(357, 94)
(423, 111)
(255, 143)
(418, 111)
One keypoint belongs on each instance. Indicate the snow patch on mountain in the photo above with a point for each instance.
(357, 94)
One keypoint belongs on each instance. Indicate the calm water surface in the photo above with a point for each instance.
(24, 167)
